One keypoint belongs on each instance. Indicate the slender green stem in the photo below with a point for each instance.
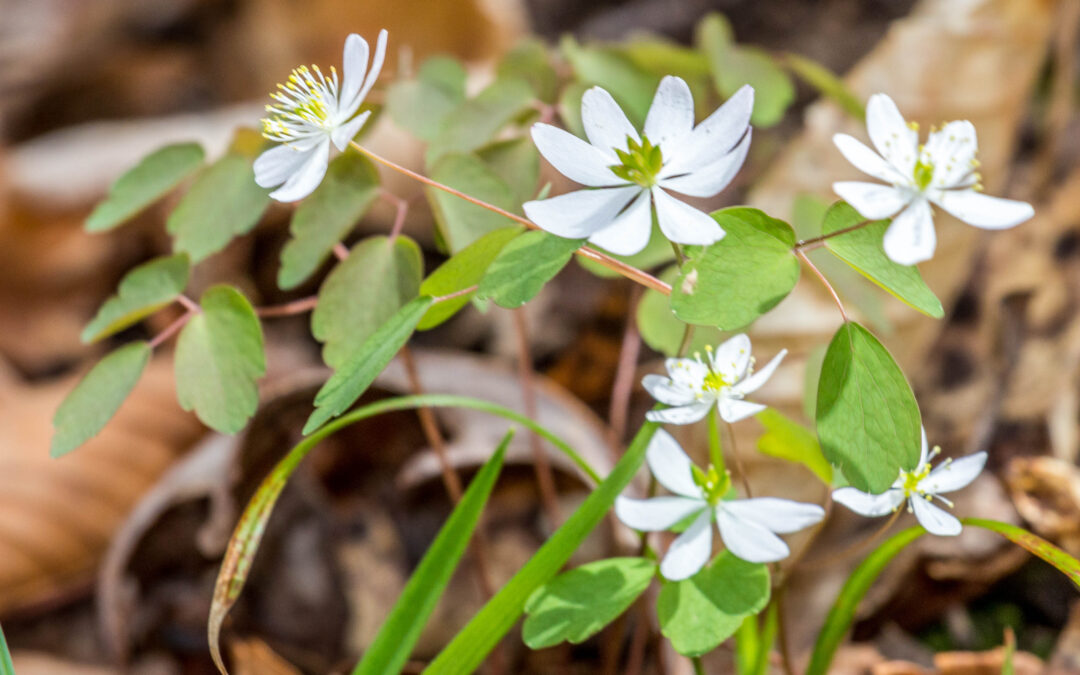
(716, 451)
(699, 668)
(815, 242)
(687, 339)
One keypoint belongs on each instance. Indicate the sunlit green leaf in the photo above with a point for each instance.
(523, 266)
(631, 86)
(139, 187)
(662, 330)
(142, 291)
(461, 223)
(785, 439)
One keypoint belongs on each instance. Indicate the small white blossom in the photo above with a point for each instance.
(311, 111)
(635, 172)
(722, 379)
(920, 487)
(944, 172)
(748, 527)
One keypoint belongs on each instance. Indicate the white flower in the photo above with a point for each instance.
(723, 379)
(634, 172)
(920, 487)
(942, 172)
(312, 111)
(748, 527)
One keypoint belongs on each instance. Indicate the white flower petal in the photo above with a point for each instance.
(733, 409)
(671, 115)
(924, 450)
(989, 213)
(951, 151)
(716, 136)
(630, 231)
(579, 214)
(605, 123)
(755, 381)
(893, 138)
(684, 414)
(954, 475)
(866, 160)
(871, 200)
(354, 63)
(682, 223)
(656, 514)
(777, 515)
(934, 519)
(273, 167)
(372, 75)
(690, 550)
(711, 178)
(749, 540)
(304, 181)
(911, 238)
(671, 466)
(665, 391)
(574, 158)
(687, 373)
(345, 133)
(732, 358)
(869, 505)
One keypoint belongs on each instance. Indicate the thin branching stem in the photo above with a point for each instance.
(825, 282)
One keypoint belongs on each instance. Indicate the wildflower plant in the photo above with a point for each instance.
(640, 143)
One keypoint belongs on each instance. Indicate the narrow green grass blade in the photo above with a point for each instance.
(1062, 561)
(6, 666)
(472, 644)
(399, 633)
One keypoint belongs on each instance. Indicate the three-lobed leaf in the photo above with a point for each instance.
(523, 266)
(149, 180)
(219, 357)
(529, 61)
(662, 330)
(461, 223)
(867, 416)
(517, 162)
(476, 121)
(141, 292)
(421, 105)
(785, 439)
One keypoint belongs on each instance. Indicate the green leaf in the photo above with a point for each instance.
(740, 277)
(462, 270)
(663, 57)
(461, 223)
(862, 249)
(529, 61)
(631, 86)
(1060, 560)
(97, 397)
(577, 604)
(523, 266)
(363, 292)
(570, 107)
(517, 162)
(357, 373)
(785, 439)
(325, 218)
(224, 202)
(421, 106)
(473, 643)
(827, 84)
(699, 613)
(475, 122)
(661, 329)
(867, 417)
(6, 666)
(149, 180)
(842, 613)
(143, 291)
(734, 66)
(399, 632)
(219, 357)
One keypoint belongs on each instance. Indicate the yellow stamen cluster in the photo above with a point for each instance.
(304, 105)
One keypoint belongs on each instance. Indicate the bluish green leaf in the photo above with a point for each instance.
(740, 277)
(475, 122)
(699, 613)
(577, 604)
(422, 105)
(867, 417)
(529, 61)
(631, 86)
(570, 107)
(662, 330)
(523, 266)
(363, 292)
(326, 217)
(149, 180)
(862, 248)
(461, 223)
(785, 439)
(827, 84)
(143, 291)
(97, 397)
(357, 373)
(517, 162)
(396, 638)
(219, 357)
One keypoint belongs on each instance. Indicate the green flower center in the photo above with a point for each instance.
(924, 174)
(640, 162)
(712, 483)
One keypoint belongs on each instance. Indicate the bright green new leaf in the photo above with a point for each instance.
(662, 330)
(461, 271)
(523, 266)
(577, 604)
(664, 57)
(699, 613)
(6, 666)
(867, 418)
(529, 61)
(325, 218)
(475, 122)
(422, 105)
(97, 397)
(785, 439)
(461, 223)
(862, 249)
(740, 277)
(517, 162)
(396, 638)
(363, 292)
(143, 291)
(827, 83)
(223, 202)
(631, 86)
(219, 357)
(157, 173)
(473, 643)
(357, 373)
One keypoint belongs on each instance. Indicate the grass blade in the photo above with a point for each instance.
(6, 666)
(1065, 563)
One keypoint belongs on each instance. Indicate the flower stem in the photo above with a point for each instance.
(743, 478)
(825, 282)
(171, 329)
(628, 271)
(623, 385)
(699, 668)
(817, 242)
(716, 451)
(289, 308)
